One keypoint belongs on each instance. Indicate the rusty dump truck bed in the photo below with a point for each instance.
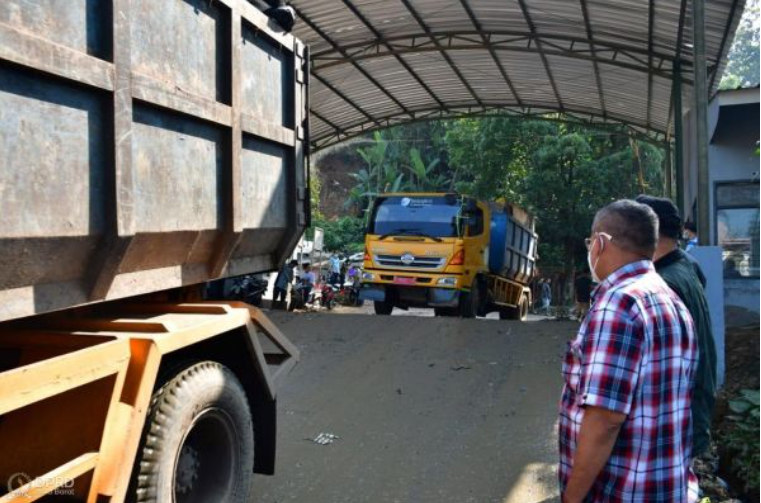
(144, 145)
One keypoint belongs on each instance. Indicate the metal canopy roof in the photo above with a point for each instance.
(376, 63)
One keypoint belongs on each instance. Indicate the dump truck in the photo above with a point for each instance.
(145, 148)
(455, 254)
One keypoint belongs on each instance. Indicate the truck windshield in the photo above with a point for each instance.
(423, 216)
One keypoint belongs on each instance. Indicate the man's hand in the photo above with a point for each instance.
(597, 436)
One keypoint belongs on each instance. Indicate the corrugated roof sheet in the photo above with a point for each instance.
(381, 62)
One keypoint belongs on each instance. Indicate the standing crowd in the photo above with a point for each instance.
(298, 283)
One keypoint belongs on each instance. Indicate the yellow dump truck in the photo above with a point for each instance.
(146, 147)
(453, 253)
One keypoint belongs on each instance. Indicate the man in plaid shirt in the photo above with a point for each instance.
(624, 426)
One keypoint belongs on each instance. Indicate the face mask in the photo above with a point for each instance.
(592, 266)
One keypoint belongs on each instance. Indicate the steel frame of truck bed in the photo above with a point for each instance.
(73, 406)
(502, 291)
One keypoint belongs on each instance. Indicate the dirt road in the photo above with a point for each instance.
(425, 410)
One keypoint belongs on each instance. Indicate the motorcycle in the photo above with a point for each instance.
(327, 295)
(322, 293)
(348, 295)
(298, 295)
(249, 289)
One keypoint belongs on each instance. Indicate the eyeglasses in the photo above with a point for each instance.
(588, 241)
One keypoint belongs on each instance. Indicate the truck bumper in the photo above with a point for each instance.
(373, 293)
(443, 297)
(411, 296)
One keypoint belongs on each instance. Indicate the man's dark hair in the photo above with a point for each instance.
(293, 263)
(669, 220)
(634, 226)
(690, 226)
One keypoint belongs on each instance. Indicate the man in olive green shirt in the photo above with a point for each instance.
(683, 275)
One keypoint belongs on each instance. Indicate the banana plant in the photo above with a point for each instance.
(423, 177)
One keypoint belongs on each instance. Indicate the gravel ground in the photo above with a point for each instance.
(424, 410)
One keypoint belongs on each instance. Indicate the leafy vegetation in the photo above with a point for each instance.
(562, 173)
(403, 159)
(742, 437)
(345, 234)
(742, 68)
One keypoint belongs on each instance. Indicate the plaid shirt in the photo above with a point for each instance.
(635, 354)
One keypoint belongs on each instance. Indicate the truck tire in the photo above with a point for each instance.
(470, 302)
(198, 441)
(520, 312)
(445, 311)
(383, 308)
(524, 306)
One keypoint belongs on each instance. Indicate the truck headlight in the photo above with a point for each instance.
(368, 276)
(447, 281)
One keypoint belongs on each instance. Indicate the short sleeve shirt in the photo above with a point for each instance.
(635, 354)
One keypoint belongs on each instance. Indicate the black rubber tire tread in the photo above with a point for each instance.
(523, 308)
(383, 308)
(519, 313)
(189, 388)
(445, 311)
(470, 302)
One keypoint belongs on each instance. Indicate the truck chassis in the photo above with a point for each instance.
(75, 389)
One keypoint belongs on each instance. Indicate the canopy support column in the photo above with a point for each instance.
(669, 175)
(701, 121)
(679, 139)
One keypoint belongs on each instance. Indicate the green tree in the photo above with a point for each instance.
(345, 234)
(742, 68)
(423, 178)
(379, 175)
(315, 187)
(401, 159)
(561, 173)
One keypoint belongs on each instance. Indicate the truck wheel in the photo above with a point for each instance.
(444, 311)
(198, 442)
(470, 302)
(383, 308)
(520, 312)
(524, 305)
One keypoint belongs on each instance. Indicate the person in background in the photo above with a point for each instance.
(282, 282)
(308, 279)
(730, 269)
(679, 273)
(690, 236)
(344, 270)
(335, 269)
(582, 290)
(624, 430)
(546, 295)
(354, 275)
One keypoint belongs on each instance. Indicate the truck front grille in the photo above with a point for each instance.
(419, 262)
